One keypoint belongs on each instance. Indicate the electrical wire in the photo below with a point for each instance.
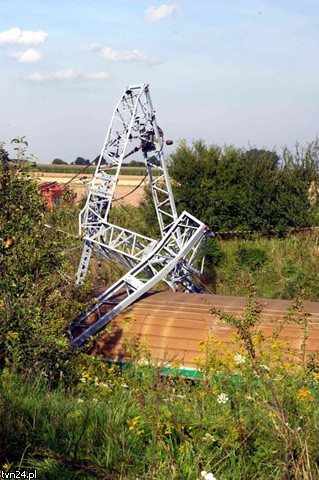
(132, 191)
(47, 225)
(79, 173)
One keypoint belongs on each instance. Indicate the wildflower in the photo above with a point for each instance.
(140, 432)
(249, 397)
(123, 385)
(5, 466)
(222, 398)
(209, 438)
(239, 359)
(304, 395)
(265, 367)
(80, 400)
(181, 448)
(207, 475)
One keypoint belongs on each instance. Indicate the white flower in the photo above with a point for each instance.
(248, 397)
(265, 367)
(123, 385)
(208, 438)
(207, 475)
(222, 398)
(239, 359)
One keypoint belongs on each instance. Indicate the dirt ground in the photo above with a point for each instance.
(125, 185)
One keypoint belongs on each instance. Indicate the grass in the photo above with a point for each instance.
(254, 414)
(278, 267)
(251, 417)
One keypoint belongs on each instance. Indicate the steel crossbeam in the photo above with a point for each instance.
(120, 245)
(170, 255)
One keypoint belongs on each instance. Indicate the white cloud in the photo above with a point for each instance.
(27, 56)
(155, 14)
(97, 75)
(112, 55)
(68, 74)
(25, 37)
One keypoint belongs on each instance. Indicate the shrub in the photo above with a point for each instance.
(37, 302)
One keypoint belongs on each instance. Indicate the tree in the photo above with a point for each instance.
(236, 189)
(81, 161)
(4, 154)
(36, 301)
(58, 161)
(136, 163)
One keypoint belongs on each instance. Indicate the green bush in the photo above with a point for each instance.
(236, 189)
(37, 301)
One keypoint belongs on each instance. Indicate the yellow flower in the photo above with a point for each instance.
(5, 466)
(181, 448)
(271, 415)
(305, 395)
(140, 432)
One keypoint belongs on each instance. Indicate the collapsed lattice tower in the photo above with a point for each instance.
(133, 129)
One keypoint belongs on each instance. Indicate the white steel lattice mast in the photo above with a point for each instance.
(134, 128)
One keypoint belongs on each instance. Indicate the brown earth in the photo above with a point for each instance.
(125, 185)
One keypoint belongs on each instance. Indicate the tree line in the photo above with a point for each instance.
(232, 188)
(86, 161)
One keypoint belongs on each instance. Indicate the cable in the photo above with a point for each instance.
(62, 231)
(132, 191)
(136, 149)
(79, 173)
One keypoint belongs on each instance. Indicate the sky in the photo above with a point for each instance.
(240, 72)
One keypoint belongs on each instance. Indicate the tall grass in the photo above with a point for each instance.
(279, 267)
(250, 417)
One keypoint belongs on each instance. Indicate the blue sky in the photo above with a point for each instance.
(236, 72)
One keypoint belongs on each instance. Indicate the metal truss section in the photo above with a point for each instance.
(133, 128)
(120, 245)
(168, 261)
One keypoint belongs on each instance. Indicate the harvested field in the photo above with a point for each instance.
(125, 185)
